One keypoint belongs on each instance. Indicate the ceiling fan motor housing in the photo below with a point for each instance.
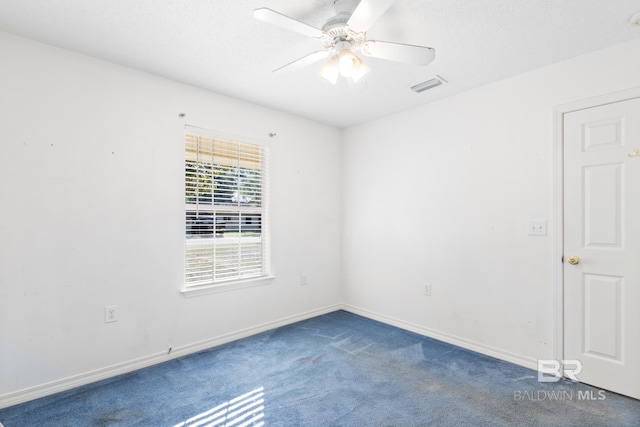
(336, 32)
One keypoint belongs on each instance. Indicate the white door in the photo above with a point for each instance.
(602, 229)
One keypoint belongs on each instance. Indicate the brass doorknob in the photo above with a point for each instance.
(573, 260)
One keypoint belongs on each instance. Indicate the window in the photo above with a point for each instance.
(225, 210)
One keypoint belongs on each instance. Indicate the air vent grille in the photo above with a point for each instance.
(429, 84)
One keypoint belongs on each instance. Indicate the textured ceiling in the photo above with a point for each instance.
(219, 45)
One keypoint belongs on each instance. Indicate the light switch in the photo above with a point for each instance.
(538, 227)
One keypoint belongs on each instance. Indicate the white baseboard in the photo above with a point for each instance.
(43, 390)
(527, 362)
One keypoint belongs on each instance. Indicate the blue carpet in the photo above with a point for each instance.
(338, 369)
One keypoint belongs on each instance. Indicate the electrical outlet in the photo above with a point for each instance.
(427, 290)
(303, 280)
(111, 313)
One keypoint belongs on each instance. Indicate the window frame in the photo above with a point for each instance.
(265, 275)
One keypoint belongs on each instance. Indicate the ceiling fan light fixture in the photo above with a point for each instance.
(349, 62)
(331, 70)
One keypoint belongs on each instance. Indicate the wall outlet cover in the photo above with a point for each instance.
(111, 313)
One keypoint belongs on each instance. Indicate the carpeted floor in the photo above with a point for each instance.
(339, 369)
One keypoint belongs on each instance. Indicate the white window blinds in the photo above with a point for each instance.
(225, 210)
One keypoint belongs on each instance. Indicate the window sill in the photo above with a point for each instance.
(229, 286)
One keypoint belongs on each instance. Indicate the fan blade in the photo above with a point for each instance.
(367, 13)
(302, 62)
(286, 22)
(410, 54)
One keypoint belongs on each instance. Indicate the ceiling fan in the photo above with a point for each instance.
(343, 36)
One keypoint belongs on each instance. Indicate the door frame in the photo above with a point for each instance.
(558, 199)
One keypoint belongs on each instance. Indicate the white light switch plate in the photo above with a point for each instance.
(538, 227)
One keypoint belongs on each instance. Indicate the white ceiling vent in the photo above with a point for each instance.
(429, 84)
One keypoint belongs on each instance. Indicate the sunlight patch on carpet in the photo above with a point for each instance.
(242, 411)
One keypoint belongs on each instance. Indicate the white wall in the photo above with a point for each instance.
(91, 170)
(442, 194)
